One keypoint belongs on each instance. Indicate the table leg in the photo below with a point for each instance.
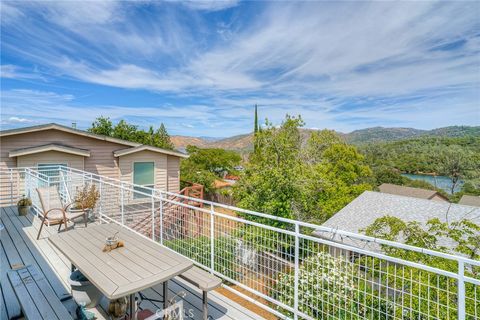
(165, 294)
(132, 306)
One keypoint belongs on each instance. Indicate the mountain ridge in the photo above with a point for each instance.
(244, 142)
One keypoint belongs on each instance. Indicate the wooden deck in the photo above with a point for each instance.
(20, 247)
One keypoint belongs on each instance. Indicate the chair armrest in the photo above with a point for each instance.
(51, 209)
(45, 214)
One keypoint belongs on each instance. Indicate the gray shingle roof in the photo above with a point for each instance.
(369, 206)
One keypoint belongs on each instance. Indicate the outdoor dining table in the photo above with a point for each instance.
(124, 271)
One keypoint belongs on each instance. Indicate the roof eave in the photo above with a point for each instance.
(35, 150)
(125, 152)
(6, 133)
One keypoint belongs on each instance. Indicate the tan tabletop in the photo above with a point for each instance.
(140, 264)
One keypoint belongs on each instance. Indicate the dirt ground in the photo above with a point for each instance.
(232, 296)
(247, 304)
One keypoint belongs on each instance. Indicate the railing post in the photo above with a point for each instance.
(100, 190)
(161, 218)
(296, 274)
(11, 187)
(212, 238)
(121, 202)
(26, 183)
(461, 290)
(153, 216)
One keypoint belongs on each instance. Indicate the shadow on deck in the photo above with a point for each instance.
(20, 247)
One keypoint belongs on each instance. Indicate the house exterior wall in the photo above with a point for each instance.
(101, 160)
(173, 173)
(160, 167)
(53, 157)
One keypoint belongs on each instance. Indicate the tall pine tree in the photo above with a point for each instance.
(163, 138)
(255, 130)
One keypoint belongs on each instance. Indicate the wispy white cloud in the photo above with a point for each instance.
(208, 5)
(44, 107)
(20, 120)
(9, 71)
(339, 64)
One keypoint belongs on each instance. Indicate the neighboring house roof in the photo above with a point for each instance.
(409, 191)
(55, 126)
(124, 152)
(467, 200)
(49, 147)
(366, 208)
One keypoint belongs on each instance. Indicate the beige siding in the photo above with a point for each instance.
(54, 157)
(173, 172)
(160, 162)
(101, 160)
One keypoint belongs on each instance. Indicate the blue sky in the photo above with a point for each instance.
(199, 67)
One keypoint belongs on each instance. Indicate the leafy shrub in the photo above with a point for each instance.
(87, 197)
(198, 249)
(325, 284)
(24, 202)
(371, 288)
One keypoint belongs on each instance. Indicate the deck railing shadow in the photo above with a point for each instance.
(19, 248)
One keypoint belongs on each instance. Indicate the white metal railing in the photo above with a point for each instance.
(284, 269)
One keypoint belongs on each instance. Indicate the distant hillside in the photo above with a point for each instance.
(381, 134)
(244, 142)
(181, 142)
(393, 134)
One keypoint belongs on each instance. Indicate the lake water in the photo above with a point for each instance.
(440, 182)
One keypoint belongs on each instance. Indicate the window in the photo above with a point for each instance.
(51, 170)
(143, 175)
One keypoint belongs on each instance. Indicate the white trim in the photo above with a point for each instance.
(53, 164)
(58, 127)
(127, 151)
(46, 148)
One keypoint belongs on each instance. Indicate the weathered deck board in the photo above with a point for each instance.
(29, 252)
(19, 246)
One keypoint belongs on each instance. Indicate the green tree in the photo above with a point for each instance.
(462, 235)
(123, 130)
(102, 125)
(458, 163)
(309, 182)
(457, 158)
(205, 165)
(269, 183)
(161, 138)
(385, 174)
(456, 237)
(331, 179)
(255, 130)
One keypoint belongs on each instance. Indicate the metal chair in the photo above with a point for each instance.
(54, 211)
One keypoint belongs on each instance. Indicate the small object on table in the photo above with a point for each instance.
(110, 247)
(112, 242)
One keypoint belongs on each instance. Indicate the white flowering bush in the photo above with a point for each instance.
(326, 286)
